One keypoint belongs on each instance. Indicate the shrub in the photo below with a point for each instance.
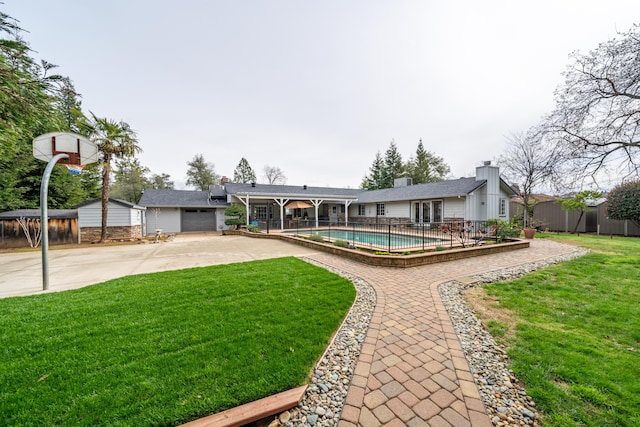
(341, 243)
(503, 229)
(253, 228)
(238, 214)
(440, 248)
(316, 238)
(623, 202)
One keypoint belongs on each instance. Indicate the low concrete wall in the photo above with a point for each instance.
(398, 261)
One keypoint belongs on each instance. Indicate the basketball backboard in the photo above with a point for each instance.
(81, 151)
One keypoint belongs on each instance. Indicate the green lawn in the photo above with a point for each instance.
(577, 343)
(165, 348)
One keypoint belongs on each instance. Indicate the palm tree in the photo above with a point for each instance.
(115, 140)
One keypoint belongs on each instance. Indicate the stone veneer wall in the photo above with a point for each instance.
(92, 234)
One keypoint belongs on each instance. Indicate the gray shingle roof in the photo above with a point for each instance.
(179, 198)
(292, 190)
(451, 188)
(35, 213)
(112, 200)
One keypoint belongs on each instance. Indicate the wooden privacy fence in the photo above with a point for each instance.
(63, 227)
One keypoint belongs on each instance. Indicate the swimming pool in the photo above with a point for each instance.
(389, 241)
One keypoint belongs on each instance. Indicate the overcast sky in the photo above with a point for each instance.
(317, 88)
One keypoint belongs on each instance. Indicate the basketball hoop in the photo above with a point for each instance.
(72, 150)
(74, 169)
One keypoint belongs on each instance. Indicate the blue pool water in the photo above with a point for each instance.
(364, 238)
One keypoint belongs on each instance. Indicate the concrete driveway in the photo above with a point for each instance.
(21, 272)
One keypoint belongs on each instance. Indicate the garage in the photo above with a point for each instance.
(198, 219)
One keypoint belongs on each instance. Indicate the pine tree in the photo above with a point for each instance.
(130, 180)
(426, 167)
(244, 173)
(393, 166)
(374, 181)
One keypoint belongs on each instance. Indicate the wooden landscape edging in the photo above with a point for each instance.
(252, 411)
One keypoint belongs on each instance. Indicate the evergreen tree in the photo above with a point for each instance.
(426, 167)
(374, 181)
(29, 106)
(130, 180)
(244, 173)
(201, 174)
(393, 166)
(162, 182)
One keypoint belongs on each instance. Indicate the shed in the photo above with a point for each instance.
(125, 220)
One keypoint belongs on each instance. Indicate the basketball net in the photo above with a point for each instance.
(75, 169)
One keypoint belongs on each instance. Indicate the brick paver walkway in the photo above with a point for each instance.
(411, 370)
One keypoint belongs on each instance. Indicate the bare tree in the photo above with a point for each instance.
(32, 230)
(531, 161)
(273, 175)
(597, 111)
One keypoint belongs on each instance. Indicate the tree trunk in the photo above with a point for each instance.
(106, 171)
(525, 214)
(575, 229)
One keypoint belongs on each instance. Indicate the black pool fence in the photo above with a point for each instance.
(396, 237)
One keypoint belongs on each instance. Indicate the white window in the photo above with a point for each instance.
(502, 208)
(260, 212)
(361, 210)
(380, 209)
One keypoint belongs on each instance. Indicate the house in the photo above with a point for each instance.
(479, 198)
(286, 206)
(125, 220)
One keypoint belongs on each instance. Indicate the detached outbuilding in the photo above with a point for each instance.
(125, 220)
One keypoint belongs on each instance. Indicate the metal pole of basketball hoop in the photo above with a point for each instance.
(44, 217)
(51, 148)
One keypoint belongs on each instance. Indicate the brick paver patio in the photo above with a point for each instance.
(411, 370)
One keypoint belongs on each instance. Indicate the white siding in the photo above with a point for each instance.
(136, 216)
(391, 210)
(493, 193)
(398, 209)
(453, 208)
(117, 215)
(167, 220)
(479, 200)
(220, 217)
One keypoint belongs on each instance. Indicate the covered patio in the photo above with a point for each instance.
(285, 206)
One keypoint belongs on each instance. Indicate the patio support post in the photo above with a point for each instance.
(281, 202)
(246, 204)
(316, 203)
(347, 203)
